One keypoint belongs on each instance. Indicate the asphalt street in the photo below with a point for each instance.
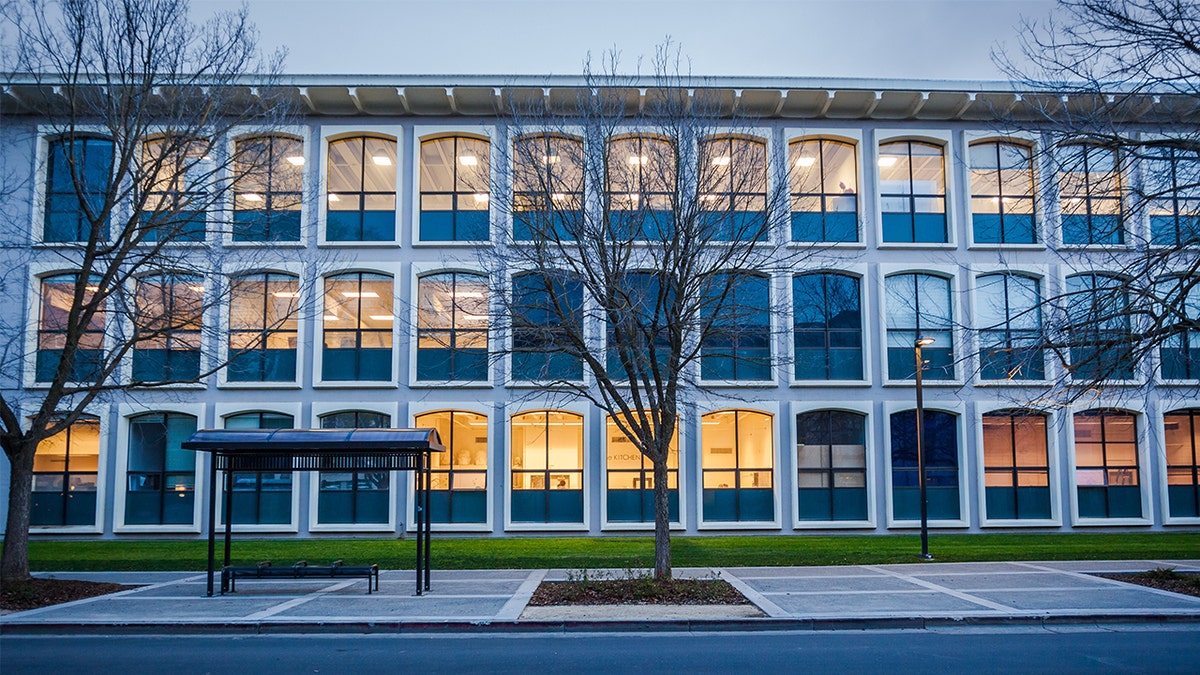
(1069, 649)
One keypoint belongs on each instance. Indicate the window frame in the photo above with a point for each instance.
(421, 133)
(206, 317)
(850, 137)
(309, 177)
(678, 524)
(643, 195)
(771, 411)
(101, 415)
(418, 408)
(224, 410)
(1039, 280)
(1163, 480)
(952, 275)
(126, 412)
(729, 195)
(1119, 176)
(391, 270)
(1177, 210)
(1136, 410)
(1037, 196)
(186, 236)
(227, 332)
(47, 136)
(322, 409)
(1137, 371)
(940, 138)
(418, 272)
(510, 338)
(1054, 459)
(740, 334)
(39, 274)
(866, 410)
(955, 409)
(329, 134)
(859, 274)
(514, 409)
(585, 195)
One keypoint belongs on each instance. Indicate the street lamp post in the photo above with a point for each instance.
(922, 342)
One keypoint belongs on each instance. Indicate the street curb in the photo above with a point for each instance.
(566, 627)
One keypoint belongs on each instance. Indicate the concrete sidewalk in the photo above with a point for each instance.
(787, 598)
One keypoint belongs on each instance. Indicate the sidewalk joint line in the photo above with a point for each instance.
(511, 611)
(295, 602)
(753, 595)
(948, 591)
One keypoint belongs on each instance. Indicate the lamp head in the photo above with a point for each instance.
(925, 341)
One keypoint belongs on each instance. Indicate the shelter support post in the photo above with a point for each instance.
(212, 520)
(419, 512)
(228, 512)
(428, 471)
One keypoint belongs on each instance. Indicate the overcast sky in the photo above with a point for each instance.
(923, 39)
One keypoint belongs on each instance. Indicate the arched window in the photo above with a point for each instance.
(630, 476)
(912, 187)
(732, 184)
(547, 467)
(737, 458)
(354, 497)
(268, 189)
(1182, 429)
(167, 328)
(828, 327)
(361, 198)
(1002, 193)
(358, 327)
(57, 298)
(831, 465)
(1107, 475)
(65, 470)
(263, 328)
(77, 184)
(824, 186)
(261, 498)
(1008, 315)
(641, 188)
(1016, 465)
(459, 489)
(547, 187)
(918, 306)
(178, 173)
(1173, 192)
(940, 448)
(1181, 350)
(452, 327)
(1099, 327)
(738, 345)
(1089, 191)
(455, 189)
(547, 328)
(161, 474)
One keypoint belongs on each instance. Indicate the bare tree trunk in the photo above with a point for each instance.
(662, 520)
(14, 562)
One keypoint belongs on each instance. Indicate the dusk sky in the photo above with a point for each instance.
(919, 39)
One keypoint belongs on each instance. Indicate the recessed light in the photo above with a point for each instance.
(638, 160)
(286, 294)
(296, 160)
(550, 159)
(198, 289)
(251, 197)
(558, 196)
(468, 160)
(720, 161)
(806, 161)
(381, 317)
(331, 317)
(886, 161)
(334, 198)
(480, 198)
(356, 294)
(382, 160)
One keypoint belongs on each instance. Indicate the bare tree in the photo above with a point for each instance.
(636, 273)
(140, 104)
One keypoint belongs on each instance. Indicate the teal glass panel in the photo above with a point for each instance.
(1124, 502)
(335, 507)
(529, 506)
(720, 504)
(898, 227)
(468, 506)
(1092, 502)
(929, 228)
(343, 226)
(261, 225)
(849, 503)
(436, 226)
(564, 506)
(371, 506)
(815, 504)
(1033, 502)
(1183, 501)
(986, 228)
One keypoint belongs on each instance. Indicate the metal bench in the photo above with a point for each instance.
(301, 570)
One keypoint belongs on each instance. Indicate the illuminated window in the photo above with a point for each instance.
(358, 327)
(177, 172)
(57, 298)
(824, 183)
(631, 478)
(831, 465)
(1002, 193)
(359, 497)
(77, 183)
(1089, 191)
(263, 328)
(455, 189)
(65, 469)
(167, 335)
(1181, 350)
(1106, 465)
(161, 474)
(361, 197)
(738, 346)
(1173, 192)
(828, 327)
(268, 189)
(540, 340)
(1008, 316)
(737, 458)
(912, 187)
(547, 467)
(261, 498)
(1182, 429)
(459, 475)
(547, 188)
(1099, 327)
(1016, 465)
(452, 327)
(940, 446)
(918, 305)
(732, 181)
(641, 188)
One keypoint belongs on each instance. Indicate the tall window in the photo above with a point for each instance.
(1106, 464)
(539, 336)
(1182, 429)
(939, 443)
(630, 477)
(1008, 316)
(738, 347)
(263, 328)
(361, 198)
(912, 186)
(831, 465)
(828, 327)
(1016, 465)
(359, 497)
(1089, 191)
(1181, 351)
(1099, 328)
(268, 189)
(261, 498)
(824, 179)
(57, 299)
(161, 474)
(452, 327)
(918, 306)
(459, 476)
(1002, 193)
(547, 467)
(737, 458)
(77, 177)
(177, 172)
(732, 181)
(358, 327)
(65, 468)
(1173, 192)
(637, 331)
(455, 188)
(167, 325)
(641, 188)
(547, 187)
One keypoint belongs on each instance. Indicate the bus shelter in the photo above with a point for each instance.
(280, 450)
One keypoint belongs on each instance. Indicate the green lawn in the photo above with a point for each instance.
(617, 552)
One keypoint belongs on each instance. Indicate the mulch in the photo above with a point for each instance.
(1185, 583)
(36, 592)
(637, 592)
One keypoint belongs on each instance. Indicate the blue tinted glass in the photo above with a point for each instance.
(986, 227)
(930, 227)
(437, 226)
(898, 227)
(379, 225)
